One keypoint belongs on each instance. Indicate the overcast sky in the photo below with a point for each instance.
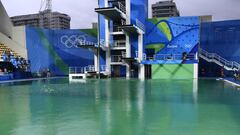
(82, 11)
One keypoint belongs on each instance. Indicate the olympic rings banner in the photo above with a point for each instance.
(75, 41)
(58, 50)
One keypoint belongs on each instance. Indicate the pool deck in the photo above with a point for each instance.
(32, 79)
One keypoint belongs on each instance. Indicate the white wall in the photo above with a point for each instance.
(19, 35)
(20, 49)
(5, 22)
(13, 37)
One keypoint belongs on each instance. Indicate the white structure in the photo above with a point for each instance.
(13, 37)
(118, 30)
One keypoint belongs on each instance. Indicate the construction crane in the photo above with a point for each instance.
(46, 5)
(49, 5)
(45, 11)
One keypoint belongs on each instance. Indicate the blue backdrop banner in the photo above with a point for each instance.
(172, 36)
(57, 50)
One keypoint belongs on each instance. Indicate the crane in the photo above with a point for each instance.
(49, 5)
(45, 11)
(46, 5)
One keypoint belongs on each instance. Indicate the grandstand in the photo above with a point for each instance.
(4, 48)
(12, 48)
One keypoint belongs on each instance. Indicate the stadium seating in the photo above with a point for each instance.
(4, 48)
(16, 66)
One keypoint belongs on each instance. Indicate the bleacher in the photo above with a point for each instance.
(4, 48)
(12, 65)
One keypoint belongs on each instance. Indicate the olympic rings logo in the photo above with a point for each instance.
(75, 41)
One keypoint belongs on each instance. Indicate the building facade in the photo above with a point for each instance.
(206, 18)
(44, 19)
(165, 9)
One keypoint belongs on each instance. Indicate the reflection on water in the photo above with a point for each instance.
(119, 107)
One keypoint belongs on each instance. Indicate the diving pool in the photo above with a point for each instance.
(119, 107)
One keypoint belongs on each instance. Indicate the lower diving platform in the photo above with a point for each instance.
(77, 74)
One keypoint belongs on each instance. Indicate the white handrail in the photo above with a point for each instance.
(86, 69)
(116, 58)
(122, 7)
(213, 57)
(168, 57)
(119, 43)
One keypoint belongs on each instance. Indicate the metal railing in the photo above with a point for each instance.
(76, 70)
(119, 43)
(122, 7)
(119, 5)
(116, 58)
(117, 29)
(83, 70)
(213, 57)
(169, 57)
(144, 56)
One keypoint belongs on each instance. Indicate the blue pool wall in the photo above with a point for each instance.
(223, 38)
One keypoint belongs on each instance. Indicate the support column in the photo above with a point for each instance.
(107, 44)
(128, 42)
(128, 12)
(128, 55)
(141, 68)
(195, 71)
(96, 64)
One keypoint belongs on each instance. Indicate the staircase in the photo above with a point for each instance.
(215, 58)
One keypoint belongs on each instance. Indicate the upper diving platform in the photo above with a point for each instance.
(139, 28)
(115, 11)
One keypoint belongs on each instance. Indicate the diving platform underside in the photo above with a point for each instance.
(92, 47)
(131, 29)
(112, 13)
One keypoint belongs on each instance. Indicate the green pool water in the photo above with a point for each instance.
(119, 107)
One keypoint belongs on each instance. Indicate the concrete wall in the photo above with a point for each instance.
(19, 36)
(17, 46)
(13, 37)
(5, 24)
